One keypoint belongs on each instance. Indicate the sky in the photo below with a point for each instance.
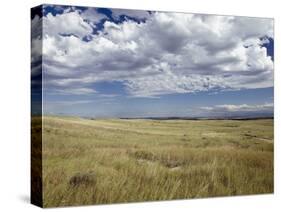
(100, 62)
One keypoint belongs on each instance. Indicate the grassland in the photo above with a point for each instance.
(112, 161)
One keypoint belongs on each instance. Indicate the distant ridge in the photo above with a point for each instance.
(200, 118)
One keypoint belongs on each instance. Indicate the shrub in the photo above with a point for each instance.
(83, 179)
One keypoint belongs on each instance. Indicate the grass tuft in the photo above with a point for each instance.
(83, 179)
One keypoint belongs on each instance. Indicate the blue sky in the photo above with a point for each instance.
(101, 62)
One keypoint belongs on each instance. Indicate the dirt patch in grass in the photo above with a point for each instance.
(150, 157)
(213, 135)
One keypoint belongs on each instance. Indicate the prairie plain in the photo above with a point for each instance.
(116, 160)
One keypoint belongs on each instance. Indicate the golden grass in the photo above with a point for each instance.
(112, 161)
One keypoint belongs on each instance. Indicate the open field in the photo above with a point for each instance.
(112, 161)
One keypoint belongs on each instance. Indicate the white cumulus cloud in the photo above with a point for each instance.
(232, 109)
(166, 53)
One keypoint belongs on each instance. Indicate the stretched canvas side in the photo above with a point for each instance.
(36, 107)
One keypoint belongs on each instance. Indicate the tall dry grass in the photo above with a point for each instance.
(112, 161)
